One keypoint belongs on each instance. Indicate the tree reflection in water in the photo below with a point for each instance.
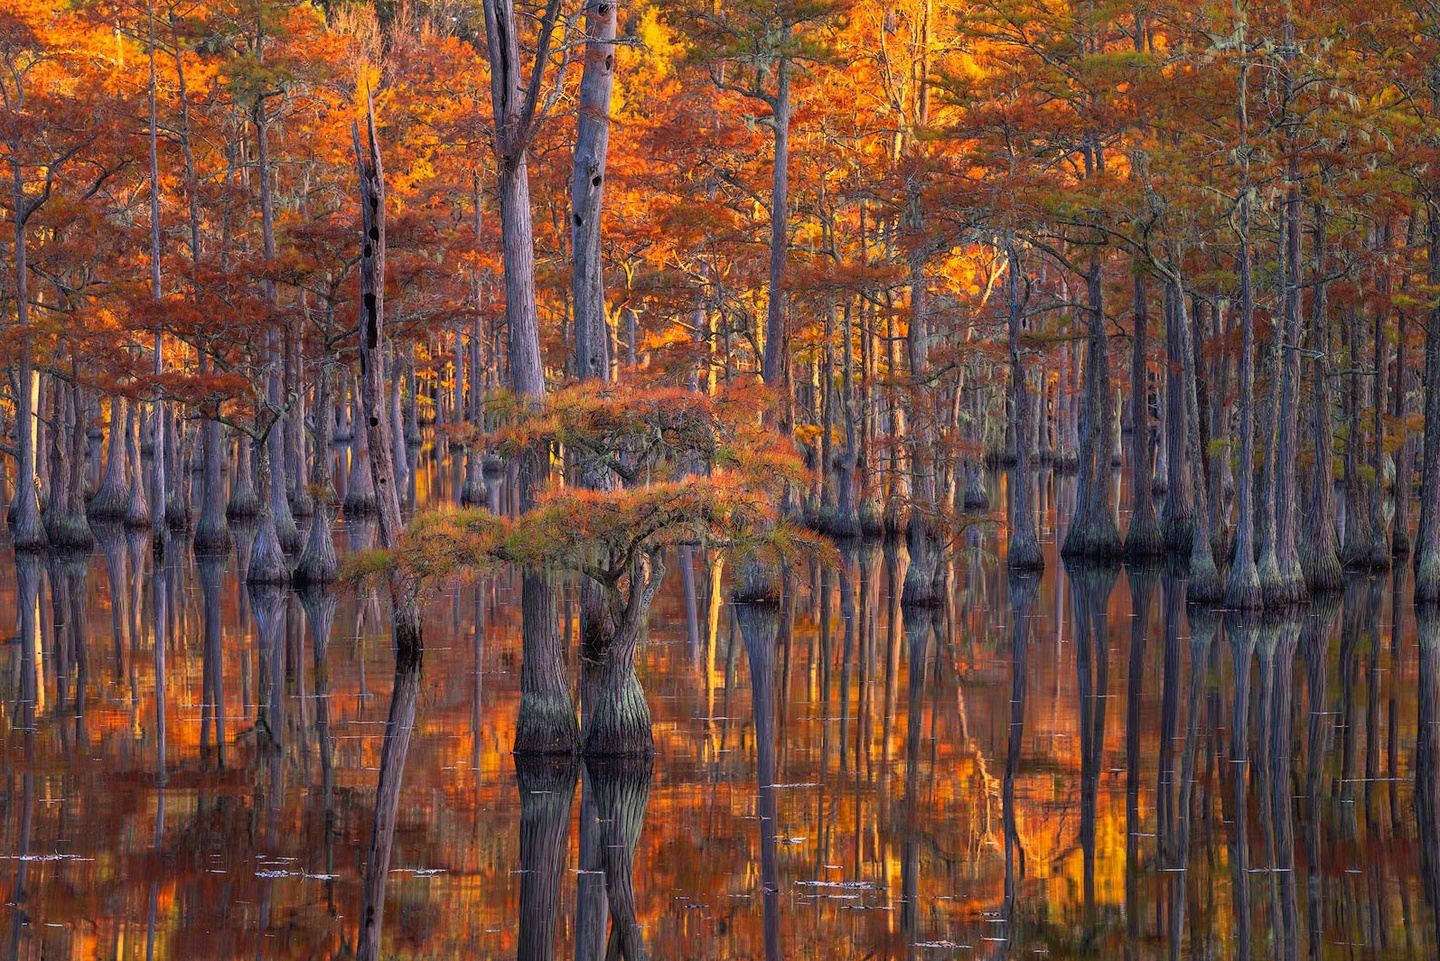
(197, 769)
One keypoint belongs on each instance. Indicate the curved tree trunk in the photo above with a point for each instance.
(617, 717)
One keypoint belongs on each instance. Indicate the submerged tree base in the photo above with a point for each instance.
(1144, 540)
(618, 719)
(69, 532)
(546, 725)
(1093, 538)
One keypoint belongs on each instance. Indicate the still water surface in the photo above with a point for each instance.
(1072, 767)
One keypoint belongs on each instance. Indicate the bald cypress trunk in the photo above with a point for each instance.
(1427, 554)
(1242, 590)
(211, 531)
(272, 482)
(1024, 547)
(27, 533)
(1145, 537)
(317, 564)
(1321, 556)
(1175, 517)
(109, 500)
(1290, 585)
(1204, 579)
(546, 723)
(1093, 531)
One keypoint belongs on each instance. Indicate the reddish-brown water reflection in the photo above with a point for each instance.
(834, 778)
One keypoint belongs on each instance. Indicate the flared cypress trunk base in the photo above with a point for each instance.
(212, 534)
(1242, 587)
(976, 497)
(1024, 554)
(177, 513)
(546, 725)
(137, 511)
(359, 505)
(871, 522)
(1283, 585)
(288, 533)
(924, 583)
(27, 531)
(1427, 577)
(1177, 529)
(69, 532)
(244, 502)
(267, 561)
(757, 582)
(1144, 539)
(318, 564)
(473, 493)
(108, 503)
(1093, 538)
(617, 722)
(830, 520)
(1322, 571)
(302, 504)
(1203, 585)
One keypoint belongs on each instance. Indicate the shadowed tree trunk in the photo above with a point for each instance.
(617, 717)
(158, 487)
(404, 601)
(267, 556)
(26, 531)
(360, 480)
(272, 459)
(317, 564)
(1093, 531)
(547, 721)
(244, 499)
(1204, 582)
(1024, 547)
(108, 504)
(1242, 589)
(1321, 557)
(211, 532)
(1289, 587)
(65, 523)
(1427, 554)
(1175, 515)
(137, 506)
(1144, 538)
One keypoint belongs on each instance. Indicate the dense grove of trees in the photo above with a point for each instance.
(732, 275)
